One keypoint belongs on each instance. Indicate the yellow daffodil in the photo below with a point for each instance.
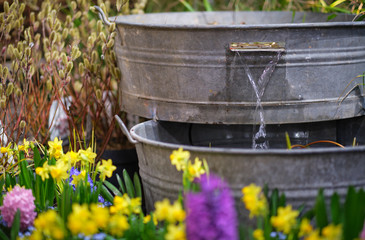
(43, 171)
(314, 235)
(195, 170)
(175, 232)
(332, 232)
(80, 221)
(59, 171)
(77, 178)
(70, 158)
(147, 219)
(179, 158)
(305, 228)
(255, 200)
(285, 220)
(50, 225)
(118, 224)
(100, 215)
(55, 148)
(106, 169)
(87, 156)
(258, 234)
(125, 205)
(25, 147)
(6, 149)
(177, 213)
(162, 210)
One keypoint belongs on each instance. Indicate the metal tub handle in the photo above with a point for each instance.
(125, 130)
(102, 16)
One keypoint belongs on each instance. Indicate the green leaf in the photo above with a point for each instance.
(187, 6)
(137, 185)
(112, 188)
(274, 202)
(208, 6)
(335, 209)
(128, 184)
(350, 213)
(25, 174)
(37, 158)
(3, 235)
(332, 16)
(287, 139)
(106, 194)
(320, 210)
(121, 184)
(282, 200)
(16, 226)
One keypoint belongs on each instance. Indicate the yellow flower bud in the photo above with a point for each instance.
(18, 92)
(1, 88)
(77, 86)
(68, 19)
(87, 63)
(98, 94)
(73, 5)
(113, 34)
(2, 103)
(5, 72)
(28, 51)
(78, 15)
(69, 67)
(94, 56)
(112, 27)
(22, 124)
(81, 68)
(64, 33)
(52, 36)
(102, 36)
(49, 85)
(61, 73)
(16, 53)
(6, 7)
(99, 26)
(110, 44)
(32, 17)
(21, 8)
(9, 89)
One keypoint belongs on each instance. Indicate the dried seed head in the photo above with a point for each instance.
(16, 53)
(22, 124)
(21, 8)
(87, 63)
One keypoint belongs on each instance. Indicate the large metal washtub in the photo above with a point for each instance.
(299, 173)
(180, 67)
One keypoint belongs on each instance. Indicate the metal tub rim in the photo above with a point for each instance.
(127, 20)
(237, 151)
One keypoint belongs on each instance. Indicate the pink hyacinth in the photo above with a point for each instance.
(20, 198)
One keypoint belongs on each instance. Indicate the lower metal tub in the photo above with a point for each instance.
(299, 173)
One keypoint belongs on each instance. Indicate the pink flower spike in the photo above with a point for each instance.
(20, 198)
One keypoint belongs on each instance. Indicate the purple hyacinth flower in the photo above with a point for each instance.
(211, 213)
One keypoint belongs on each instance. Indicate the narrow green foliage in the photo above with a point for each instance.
(187, 6)
(207, 6)
(137, 185)
(128, 184)
(274, 201)
(320, 211)
(121, 184)
(16, 226)
(335, 209)
(3, 235)
(113, 189)
(106, 194)
(288, 143)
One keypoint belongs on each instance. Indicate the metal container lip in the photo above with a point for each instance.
(129, 20)
(237, 151)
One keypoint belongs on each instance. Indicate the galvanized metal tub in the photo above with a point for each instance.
(297, 173)
(179, 66)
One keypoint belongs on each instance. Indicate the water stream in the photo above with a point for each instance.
(259, 140)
